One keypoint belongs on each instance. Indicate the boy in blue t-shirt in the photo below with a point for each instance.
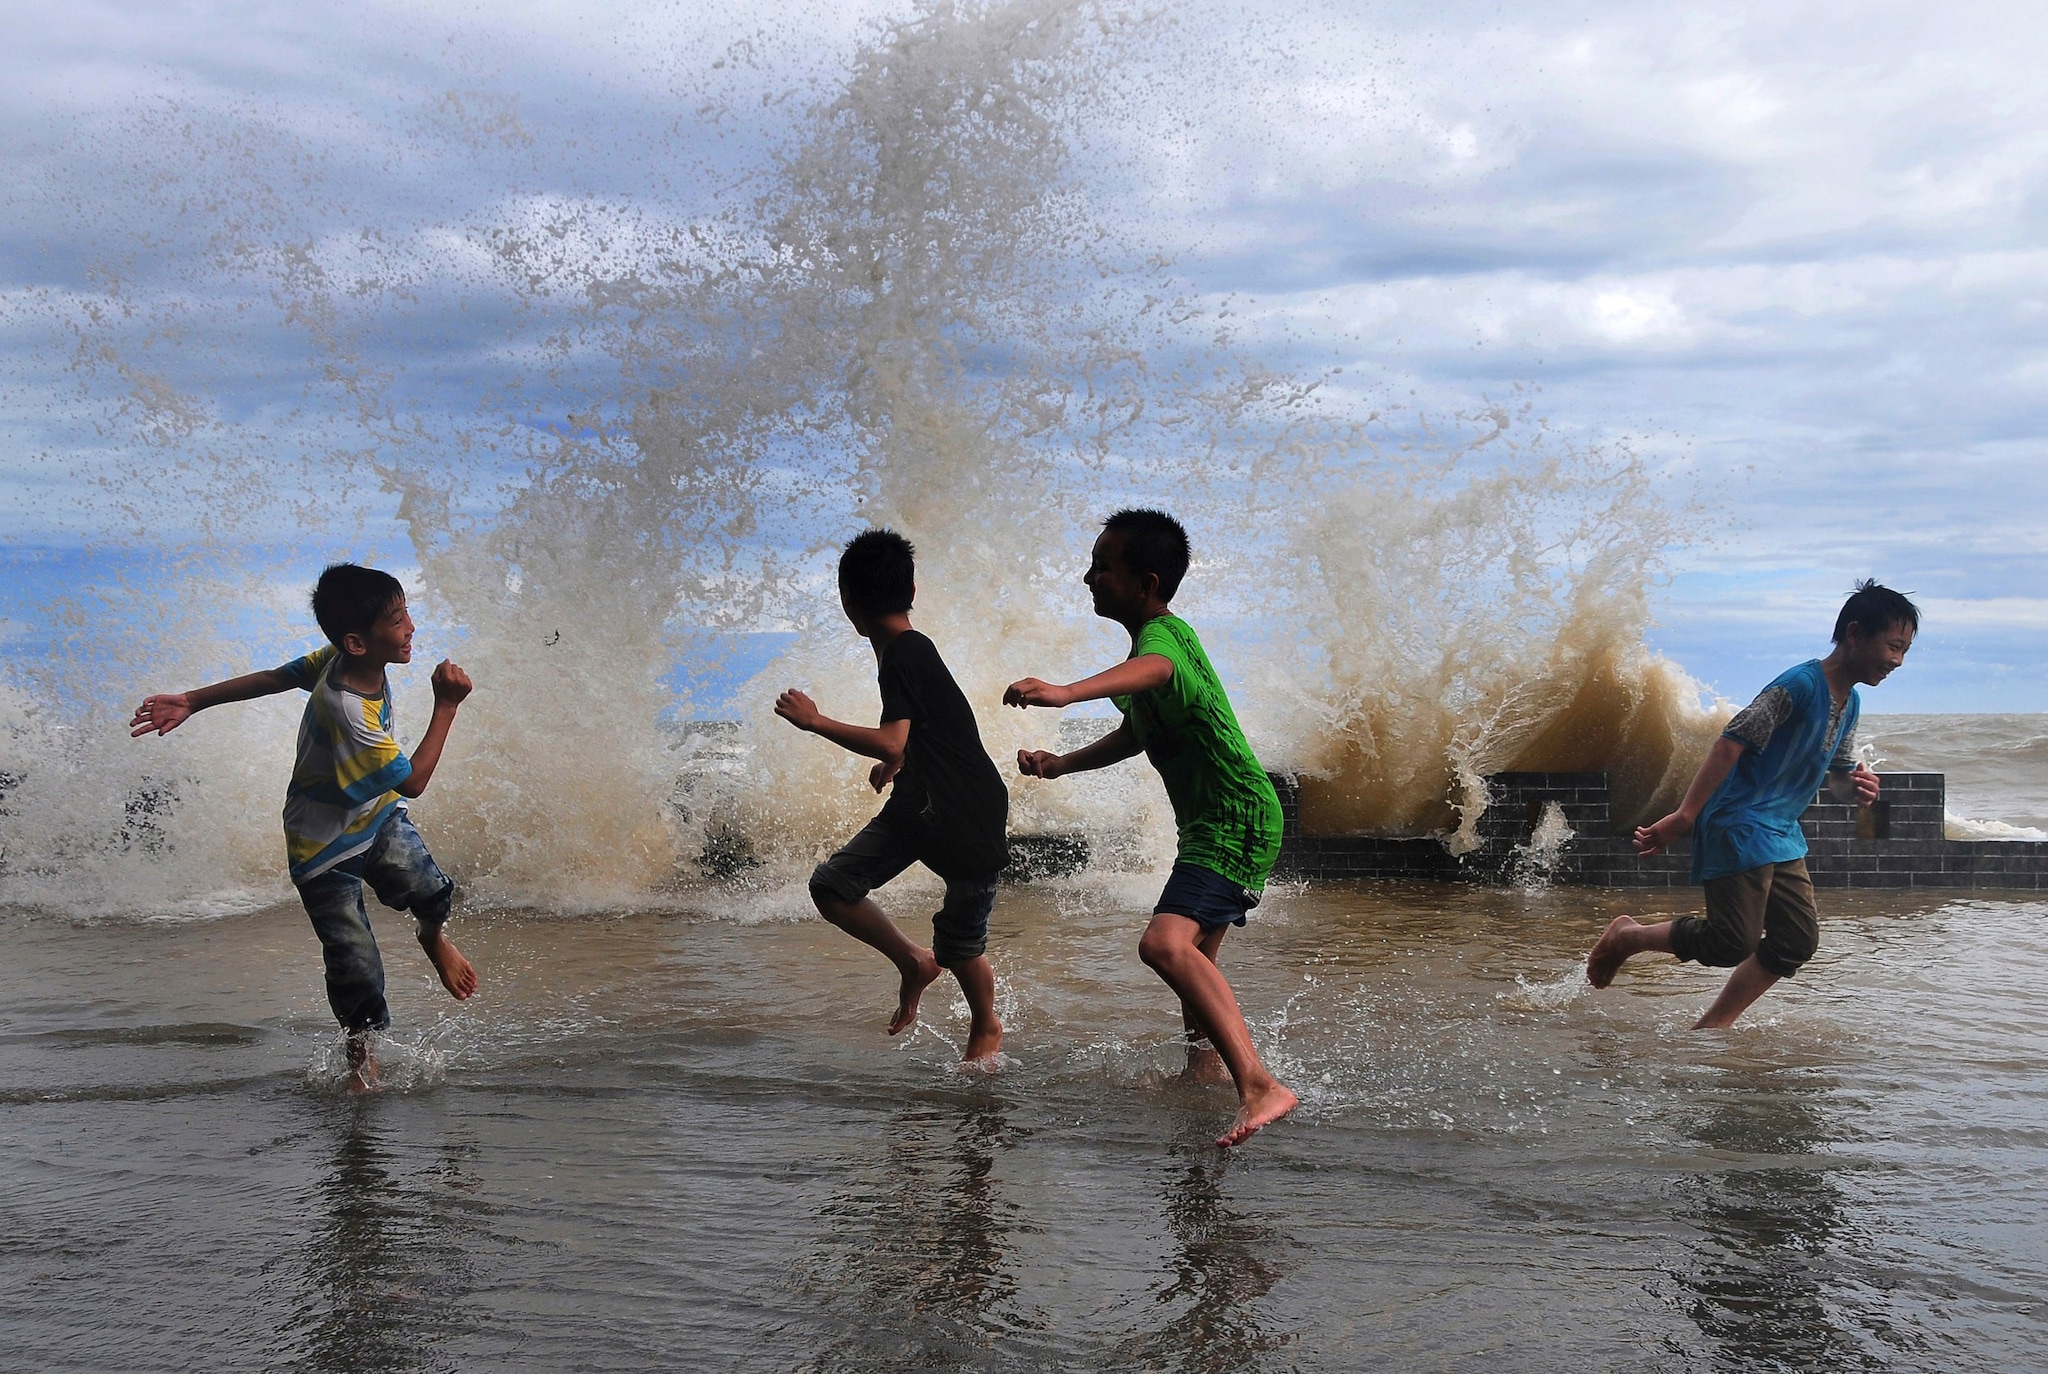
(1743, 811)
(345, 821)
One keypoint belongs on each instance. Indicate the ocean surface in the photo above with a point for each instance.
(677, 1136)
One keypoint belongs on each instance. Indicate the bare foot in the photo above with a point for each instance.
(458, 975)
(1205, 1067)
(914, 984)
(1610, 951)
(362, 1066)
(982, 1044)
(1261, 1109)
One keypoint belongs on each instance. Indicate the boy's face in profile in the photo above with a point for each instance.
(389, 639)
(1873, 658)
(1117, 591)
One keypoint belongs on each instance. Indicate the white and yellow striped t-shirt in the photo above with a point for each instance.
(349, 762)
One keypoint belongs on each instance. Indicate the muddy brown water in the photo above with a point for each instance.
(678, 1137)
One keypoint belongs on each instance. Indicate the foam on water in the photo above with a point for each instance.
(406, 1062)
(1963, 828)
(1529, 995)
(1532, 864)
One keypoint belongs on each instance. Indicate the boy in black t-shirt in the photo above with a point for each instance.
(949, 807)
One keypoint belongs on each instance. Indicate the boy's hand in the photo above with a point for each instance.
(883, 773)
(1038, 763)
(162, 714)
(800, 711)
(1655, 839)
(1865, 783)
(451, 684)
(1030, 691)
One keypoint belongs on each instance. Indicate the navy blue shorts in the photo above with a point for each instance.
(1205, 896)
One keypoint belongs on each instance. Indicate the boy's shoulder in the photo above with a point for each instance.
(910, 649)
(1167, 633)
(305, 670)
(1798, 680)
(910, 670)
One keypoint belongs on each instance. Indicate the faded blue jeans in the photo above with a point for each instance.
(404, 876)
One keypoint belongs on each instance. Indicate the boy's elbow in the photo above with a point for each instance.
(400, 776)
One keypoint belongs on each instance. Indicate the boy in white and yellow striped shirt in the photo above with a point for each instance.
(345, 822)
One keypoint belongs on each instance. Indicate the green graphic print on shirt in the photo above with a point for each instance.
(1223, 802)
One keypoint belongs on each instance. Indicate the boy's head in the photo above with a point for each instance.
(362, 611)
(877, 577)
(1139, 560)
(1875, 629)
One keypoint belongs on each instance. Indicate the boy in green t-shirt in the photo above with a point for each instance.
(1175, 710)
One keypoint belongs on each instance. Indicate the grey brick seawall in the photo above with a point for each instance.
(1897, 843)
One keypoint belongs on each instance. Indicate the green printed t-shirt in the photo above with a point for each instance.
(1223, 802)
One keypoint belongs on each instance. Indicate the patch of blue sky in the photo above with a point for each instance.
(79, 607)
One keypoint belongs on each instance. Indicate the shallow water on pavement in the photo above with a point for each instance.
(673, 1137)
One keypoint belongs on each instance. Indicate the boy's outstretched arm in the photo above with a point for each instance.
(1714, 770)
(1133, 675)
(1114, 747)
(885, 742)
(166, 712)
(451, 685)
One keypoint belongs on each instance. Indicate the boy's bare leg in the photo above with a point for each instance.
(1624, 938)
(1172, 949)
(984, 1032)
(362, 1065)
(1205, 1066)
(1750, 981)
(865, 922)
(458, 975)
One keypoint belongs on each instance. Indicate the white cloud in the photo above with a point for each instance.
(1801, 249)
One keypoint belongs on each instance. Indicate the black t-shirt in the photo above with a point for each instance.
(948, 784)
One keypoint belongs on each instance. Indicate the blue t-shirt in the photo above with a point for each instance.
(1753, 817)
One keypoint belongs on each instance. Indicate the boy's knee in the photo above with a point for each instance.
(829, 890)
(405, 877)
(1705, 942)
(1785, 952)
(960, 927)
(1158, 950)
(432, 911)
(351, 963)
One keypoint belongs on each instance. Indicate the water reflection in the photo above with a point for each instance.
(920, 1266)
(384, 1267)
(1778, 1279)
(1223, 1264)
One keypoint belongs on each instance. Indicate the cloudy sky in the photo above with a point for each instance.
(1796, 255)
